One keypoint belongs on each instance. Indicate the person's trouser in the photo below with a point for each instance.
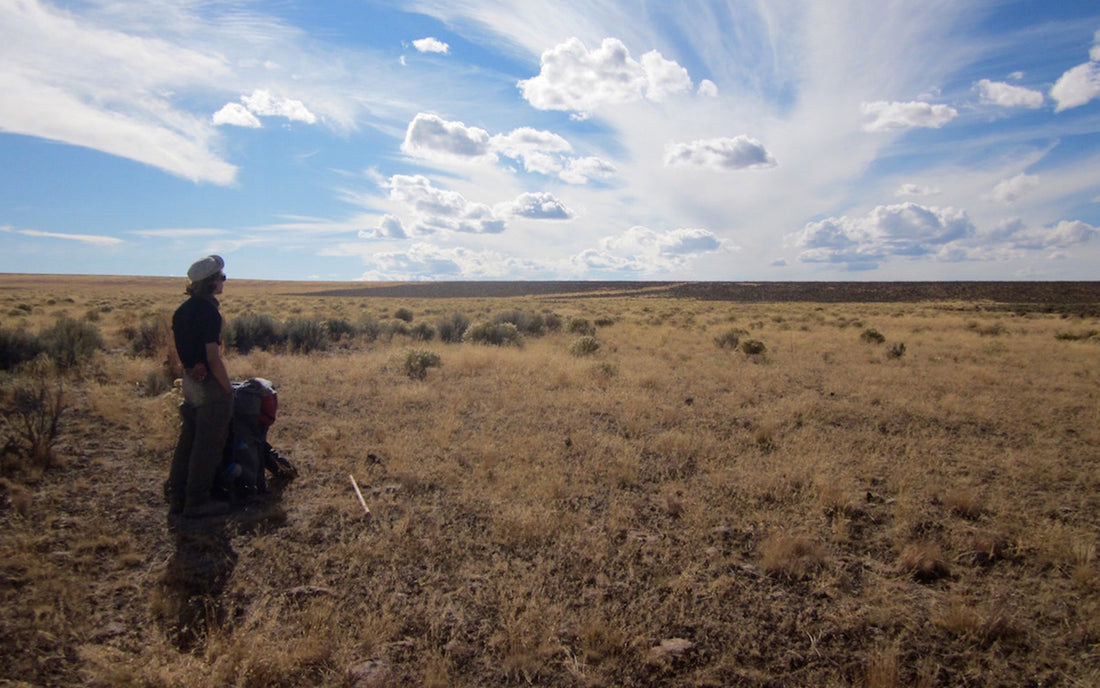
(204, 425)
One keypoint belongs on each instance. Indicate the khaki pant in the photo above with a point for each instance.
(204, 425)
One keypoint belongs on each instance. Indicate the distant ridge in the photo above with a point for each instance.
(1055, 293)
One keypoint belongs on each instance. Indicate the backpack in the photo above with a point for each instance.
(247, 453)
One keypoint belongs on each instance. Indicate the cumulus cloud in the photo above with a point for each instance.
(708, 88)
(907, 229)
(536, 206)
(262, 104)
(918, 190)
(237, 115)
(581, 170)
(389, 227)
(1007, 95)
(736, 153)
(431, 45)
(538, 150)
(1077, 87)
(882, 116)
(1062, 235)
(439, 210)
(641, 251)
(426, 261)
(541, 152)
(430, 136)
(572, 78)
(1010, 190)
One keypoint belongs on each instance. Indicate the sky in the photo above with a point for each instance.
(736, 140)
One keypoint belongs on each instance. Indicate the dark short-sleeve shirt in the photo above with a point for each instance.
(195, 324)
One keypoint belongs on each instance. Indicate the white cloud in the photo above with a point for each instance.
(907, 229)
(536, 206)
(572, 78)
(431, 45)
(90, 239)
(581, 170)
(881, 116)
(1059, 236)
(236, 115)
(389, 227)
(643, 251)
(918, 190)
(708, 88)
(66, 80)
(426, 261)
(440, 210)
(1010, 190)
(736, 153)
(264, 104)
(1077, 87)
(538, 150)
(663, 76)
(1007, 95)
(431, 137)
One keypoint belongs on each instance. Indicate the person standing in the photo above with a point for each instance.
(207, 394)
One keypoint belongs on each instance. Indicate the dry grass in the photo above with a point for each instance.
(664, 511)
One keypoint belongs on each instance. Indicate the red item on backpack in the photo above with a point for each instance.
(269, 406)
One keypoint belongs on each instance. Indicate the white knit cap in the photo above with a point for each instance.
(205, 267)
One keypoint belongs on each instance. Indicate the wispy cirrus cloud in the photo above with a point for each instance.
(89, 239)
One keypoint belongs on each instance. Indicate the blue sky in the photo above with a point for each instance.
(488, 139)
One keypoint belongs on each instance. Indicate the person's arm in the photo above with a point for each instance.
(217, 366)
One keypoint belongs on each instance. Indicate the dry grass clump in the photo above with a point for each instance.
(662, 513)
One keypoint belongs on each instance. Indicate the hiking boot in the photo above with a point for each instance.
(206, 509)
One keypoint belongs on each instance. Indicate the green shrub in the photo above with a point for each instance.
(552, 321)
(422, 332)
(17, 347)
(1077, 336)
(753, 347)
(581, 326)
(31, 417)
(396, 327)
(730, 339)
(403, 314)
(417, 362)
(370, 329)
(151, 336)
(452, 328)
(605, 321)
(304, 336)
(584, 346)
(250, 331)
(497, 334)
(69, 341)
(527, 323)
(872, 336)
(339, 328)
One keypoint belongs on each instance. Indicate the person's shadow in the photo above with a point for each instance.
(188, 599)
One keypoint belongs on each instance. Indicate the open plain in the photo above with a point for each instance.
(634, 484)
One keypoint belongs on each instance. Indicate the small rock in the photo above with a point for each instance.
(670, 648)
(369, 674)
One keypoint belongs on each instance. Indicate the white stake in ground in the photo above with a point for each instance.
(359, 494)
